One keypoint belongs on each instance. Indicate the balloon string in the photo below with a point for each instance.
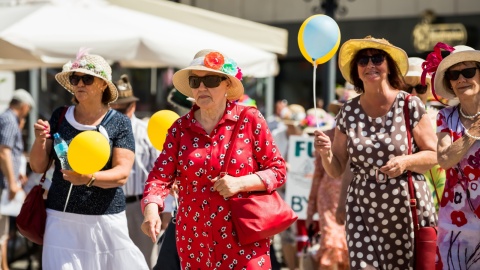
(68, 197)
(315, 92)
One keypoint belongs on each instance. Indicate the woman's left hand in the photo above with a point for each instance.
(75, 178)
(395, 166)
(227, 185)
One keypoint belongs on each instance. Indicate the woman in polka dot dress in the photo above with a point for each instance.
(193, 155)
(371, 132)
(458, 131)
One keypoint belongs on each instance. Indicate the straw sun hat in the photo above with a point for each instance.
(461, 53)
(90, 64)
(350, 48)
(125, 91)
(213, 61)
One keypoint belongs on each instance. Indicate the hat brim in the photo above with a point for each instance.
(441, 86)
(180, 81)
(350, 48)
(334, 107)
(62, 79)
(126, 100)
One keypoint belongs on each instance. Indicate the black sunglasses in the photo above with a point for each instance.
(419, 89)
(377, 59)
(467, 73)
(75, 79)
(209, 81)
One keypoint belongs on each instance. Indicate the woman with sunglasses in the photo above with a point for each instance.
(371, 133)
(436, 175)
(193, 156)
(458, 131)
(86, 223)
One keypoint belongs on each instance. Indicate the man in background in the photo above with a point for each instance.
(145, 156)
(11, 151)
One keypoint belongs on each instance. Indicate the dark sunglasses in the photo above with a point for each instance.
(209, 81)
(467, 73)
(377, 59)
(420, 89)
(75, 79)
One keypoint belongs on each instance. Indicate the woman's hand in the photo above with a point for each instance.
(151, 221)
(42, 129)
(395, 166)
(75, 178)
(322, 142)
(227, 185)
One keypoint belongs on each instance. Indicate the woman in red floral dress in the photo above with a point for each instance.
(193, 156)
(458, 131)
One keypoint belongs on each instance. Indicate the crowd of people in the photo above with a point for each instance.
(112, 219)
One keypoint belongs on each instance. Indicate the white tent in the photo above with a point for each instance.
(262, 36)
(51, 33)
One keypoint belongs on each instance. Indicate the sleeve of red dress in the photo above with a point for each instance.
(162, 175)
(272, 170)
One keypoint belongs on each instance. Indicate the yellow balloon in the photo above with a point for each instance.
(158, 126)
(88, 152)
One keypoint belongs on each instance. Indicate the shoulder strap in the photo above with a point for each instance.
(411, 191)
(228, 154)
(107, 117)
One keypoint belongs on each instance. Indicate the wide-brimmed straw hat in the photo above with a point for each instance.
(351, 47)
(90, 64)
(414, 73)
(125, 91)
(213, 61)
(461, 53)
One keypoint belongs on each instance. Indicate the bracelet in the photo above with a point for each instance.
(90, 182)
(471, 136)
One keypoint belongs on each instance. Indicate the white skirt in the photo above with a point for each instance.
(89, 242)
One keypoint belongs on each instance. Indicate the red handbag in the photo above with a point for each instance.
(33, 215)
(261, 214)
(425, 237)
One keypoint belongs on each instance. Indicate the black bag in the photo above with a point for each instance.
(168, 256)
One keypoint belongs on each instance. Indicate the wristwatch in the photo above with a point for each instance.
(90, 182)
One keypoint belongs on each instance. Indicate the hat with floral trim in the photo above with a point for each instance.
(90, 64)
(213, 61)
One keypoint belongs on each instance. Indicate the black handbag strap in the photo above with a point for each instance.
(411, 190)
(229, 151)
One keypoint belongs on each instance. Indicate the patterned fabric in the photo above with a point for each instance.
(205, 235)
(436, 175)
(145, 156)
(88, 200)
(323, 199)
(11, 137)
(459, 215)
(379, 223)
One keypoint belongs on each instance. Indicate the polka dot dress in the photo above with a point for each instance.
(379, 222)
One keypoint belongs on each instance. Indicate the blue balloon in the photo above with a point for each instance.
(319, 38)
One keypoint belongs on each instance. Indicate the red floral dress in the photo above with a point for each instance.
(205, 235)
(459, 214)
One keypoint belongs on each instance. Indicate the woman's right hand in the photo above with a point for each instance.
(151, 221)
(322, 142)
(42, 129)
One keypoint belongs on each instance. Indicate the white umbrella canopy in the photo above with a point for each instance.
(51, 34)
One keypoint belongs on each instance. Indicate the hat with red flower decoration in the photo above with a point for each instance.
(213, 61)
(90, 64)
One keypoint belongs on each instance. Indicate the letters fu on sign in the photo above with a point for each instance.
(301, 160)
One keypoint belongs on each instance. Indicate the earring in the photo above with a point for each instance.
(225, 94)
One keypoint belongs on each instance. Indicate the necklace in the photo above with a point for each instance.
(468, 116)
